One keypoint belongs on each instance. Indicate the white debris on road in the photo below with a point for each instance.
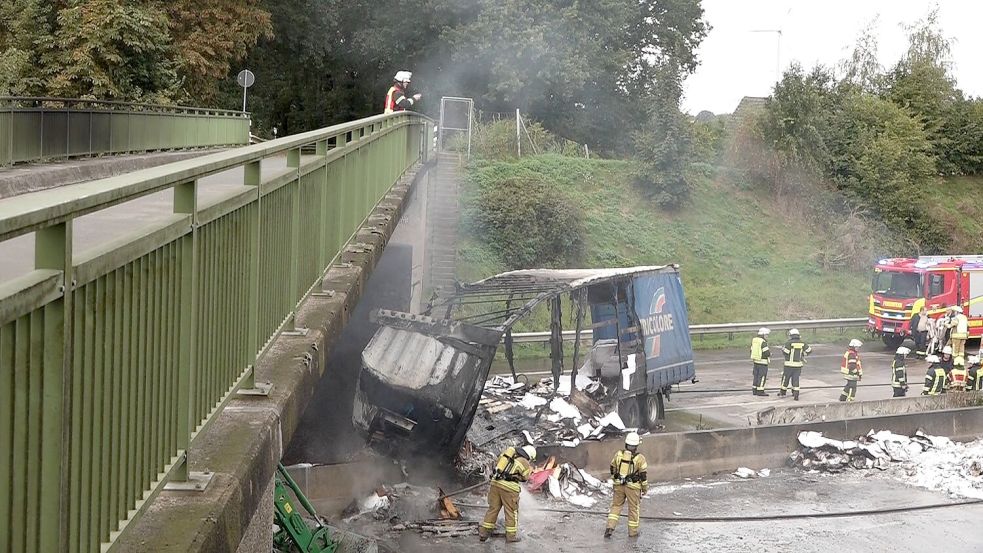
(564, 410)
(932, 462)
(744, 472)
(530, 401)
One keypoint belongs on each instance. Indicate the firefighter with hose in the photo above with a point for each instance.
(629, 472)
(512, 468)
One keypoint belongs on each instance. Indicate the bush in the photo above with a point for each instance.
(528, 222)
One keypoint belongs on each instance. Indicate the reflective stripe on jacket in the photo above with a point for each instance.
(899, 373)
(795, 353)
(630, 470)
(851, 367)
(510, 470)
(934, 381)
(759, 351)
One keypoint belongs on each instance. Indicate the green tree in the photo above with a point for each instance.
(883, 161)
(664, 146)
(25, 34)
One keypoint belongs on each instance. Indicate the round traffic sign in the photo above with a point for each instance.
(246, 78)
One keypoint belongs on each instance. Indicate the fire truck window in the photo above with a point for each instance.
(935, 285)
(897, 285)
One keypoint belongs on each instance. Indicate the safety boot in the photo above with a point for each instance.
(633, 534)
(795, 395)
(608, 532)
(512, 538)
(483, 534)
(781, 393)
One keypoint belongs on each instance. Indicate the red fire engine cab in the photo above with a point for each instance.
(902, 286)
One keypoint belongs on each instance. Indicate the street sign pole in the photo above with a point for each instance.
(245, 78)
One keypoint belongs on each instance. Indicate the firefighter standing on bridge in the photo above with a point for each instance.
(513, 466)
(629, 471)
(899, 373)
(396, 97)
(760, 357)
(795, 350)
(852, 370)
(935, 378)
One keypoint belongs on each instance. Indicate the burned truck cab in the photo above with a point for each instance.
(422, 376)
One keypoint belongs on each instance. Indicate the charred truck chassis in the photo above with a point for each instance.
(422, 377)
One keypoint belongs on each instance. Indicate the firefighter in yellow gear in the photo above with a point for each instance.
(795, 350)
(760, 357)
(935, 378)
(629, 471)
(852, 369)
(513, 467)
(974, 381)
(960, 332)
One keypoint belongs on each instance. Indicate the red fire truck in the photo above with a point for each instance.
(902, 286)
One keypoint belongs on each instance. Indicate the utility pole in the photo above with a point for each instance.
(518, 136)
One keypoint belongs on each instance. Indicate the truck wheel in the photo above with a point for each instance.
(630, 410)
(892, 341)
(655, 410)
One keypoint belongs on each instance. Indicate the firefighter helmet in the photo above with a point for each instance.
(974, 359)
(763, 331)
(932, 358)
(957, 309)
(903, 351)
(793, 332)
(403, 76)
(947, 350)
(855, 343)
(529, 451)
(632, 439)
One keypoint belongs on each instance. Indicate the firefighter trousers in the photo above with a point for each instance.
(760, 377)
(958, 347)
(499, 498)
(849, 391)
(633, 496)
(790, 380)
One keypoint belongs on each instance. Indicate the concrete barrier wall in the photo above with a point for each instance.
(687, 454)
(797, 414)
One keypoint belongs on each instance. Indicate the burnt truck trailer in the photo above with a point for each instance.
(422, 375)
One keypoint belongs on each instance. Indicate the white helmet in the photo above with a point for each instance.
(932, 358)
(530, 452)
(793, 332)
(403, 76)
(632, 439)
(855, 343)
(947, 349)
(763, 331)
(957, 309)
(974, 359)
(903, 351)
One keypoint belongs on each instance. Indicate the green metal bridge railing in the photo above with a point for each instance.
(113, 360)
(35, 129)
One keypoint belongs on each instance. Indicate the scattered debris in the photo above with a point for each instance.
(440, 528)
(448, 511)
(932, 462)
(744, 472)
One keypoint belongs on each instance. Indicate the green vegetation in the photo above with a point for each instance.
(740, 259)
(881, 138)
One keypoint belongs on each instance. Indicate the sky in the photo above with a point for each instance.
(735, 62)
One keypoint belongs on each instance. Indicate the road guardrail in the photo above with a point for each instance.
(718, 328)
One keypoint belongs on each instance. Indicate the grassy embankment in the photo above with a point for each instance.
(740, 260)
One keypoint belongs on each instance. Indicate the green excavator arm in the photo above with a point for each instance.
(295, 534)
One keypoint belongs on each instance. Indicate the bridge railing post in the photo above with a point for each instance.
(253, 175)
